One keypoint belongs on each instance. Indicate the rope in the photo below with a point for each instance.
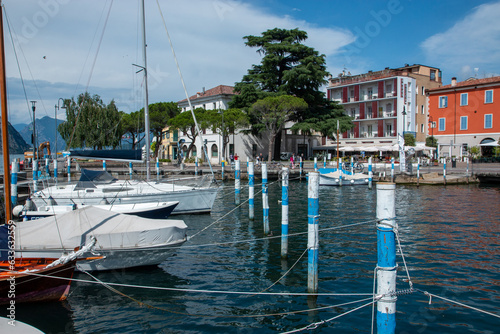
(403, 257)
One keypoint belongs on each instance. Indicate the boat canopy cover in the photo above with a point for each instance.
(111, 230)
(115, 155)
(89, 178)
(4, 243)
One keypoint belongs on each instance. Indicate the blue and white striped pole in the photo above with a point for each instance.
(248, 162)
(251, 191)
(386, 255)
(301, 164)
(237, 185)
(13, 181)
(315, 164)
(324, 161)
(340, 172)
(196, 166)
(370, 173)
(392, 169)
(222, 169)
(69, 169)
(35, 175)
(284, 212)
(312, 235)
(104, 165)
(157, 169)
(352, 165)
(47, 167)
(55, 169)
(418, 172)
(265, 200)
(130, 169)
(444, 170)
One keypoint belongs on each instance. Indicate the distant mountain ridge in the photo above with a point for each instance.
(46, 131)
(17, 144)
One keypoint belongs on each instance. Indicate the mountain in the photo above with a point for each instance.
(17, 145)
(45, 131)
(19, 127)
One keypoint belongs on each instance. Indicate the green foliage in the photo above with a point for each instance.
(273, 112)
(159, 115)
(91, 123)
(474, 151)
(409, 139)
(226, 122)
(431, 141)
(184, 122)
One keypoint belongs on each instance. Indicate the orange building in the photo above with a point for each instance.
(465, 114)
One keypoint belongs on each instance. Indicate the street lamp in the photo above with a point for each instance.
(221, 111)
(33, 140)
(56, 110)
(404, 120)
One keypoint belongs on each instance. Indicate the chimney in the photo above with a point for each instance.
(453, 82)
(203, 90)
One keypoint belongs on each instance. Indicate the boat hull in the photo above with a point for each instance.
(346, 181)
(31, 288)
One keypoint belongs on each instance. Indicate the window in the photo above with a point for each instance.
(488, 96)
(370, 131)
(488, 121)
(443, 101)
(215, 152)
(353, 113)
(369, 113)
(464, 97)
(422, 128)
(463, 122)
(433, 75)
(442, 124)
(422, 109)
(423, 90)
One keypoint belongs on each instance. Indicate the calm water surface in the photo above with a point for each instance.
(449, 235)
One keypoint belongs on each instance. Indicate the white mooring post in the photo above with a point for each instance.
(69, 169)
(312, 235)
(315, 164)
(324, 161)
(392, 169)
(444, 171)
(13, 182)
(35, 175)
(301, 165)
(55, 170)
(284, 212)
(265, 200)
(386, 255)
(237, 185)
(340, 172)
(157, 169)
(248, 162)
(370, 173)
(352, 165)
(47, 167)
(130, 169)
(251, 190)
(196, 166)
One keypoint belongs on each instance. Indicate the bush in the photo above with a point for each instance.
(165, 160)
(192, 160)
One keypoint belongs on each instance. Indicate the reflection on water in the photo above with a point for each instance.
(450, 238)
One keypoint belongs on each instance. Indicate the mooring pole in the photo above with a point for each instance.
(340, 172)
(158, 169)
(248, 162)
(69, 169)
(104, 165)
(315, 164)
(13, 181)
(265, 200)
(222, 170)
(35, 175)
(444, 171)
(312, 235)
(352, 165)
(284, 212)
(301, 165)
(386, 254)
(47, 167)
(237, 185)
(370, 173)
(467, 170)
(251, 190)
(55, 169)
(392, 169)
(418, 172)
(324, 161)
(130, 169)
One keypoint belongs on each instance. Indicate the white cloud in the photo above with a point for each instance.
(472, 42)
(207, 37)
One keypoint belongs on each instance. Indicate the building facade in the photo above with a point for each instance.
(384, 104)
(465, 114)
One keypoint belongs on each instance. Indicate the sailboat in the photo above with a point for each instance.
(26, 279)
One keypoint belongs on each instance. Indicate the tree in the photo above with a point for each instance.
(287, 67)
(159, 115)
(133, 126)
(225, 123)
(409, 139)
(184, 122)
(273, 112)
(431, 141)
(91, 123)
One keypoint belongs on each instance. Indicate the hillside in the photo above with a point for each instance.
(45, 129)
(17, 145)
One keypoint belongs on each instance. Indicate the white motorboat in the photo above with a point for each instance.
(331, 177)
(99, 187)
(154, 210)
(125, 241)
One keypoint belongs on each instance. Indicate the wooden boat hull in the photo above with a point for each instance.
(34, 288)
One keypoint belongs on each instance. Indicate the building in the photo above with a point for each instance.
(465, 114)
(384, 104)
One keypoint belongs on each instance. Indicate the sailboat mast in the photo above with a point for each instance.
(5, 127)
(146, 106)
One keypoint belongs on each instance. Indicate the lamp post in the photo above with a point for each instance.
(56, 110)
(404, 120)
(221, 111)
(431, 122)
(33, 107)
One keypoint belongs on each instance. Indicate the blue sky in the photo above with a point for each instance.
(57, 43)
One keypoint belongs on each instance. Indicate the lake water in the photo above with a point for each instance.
(450, 239)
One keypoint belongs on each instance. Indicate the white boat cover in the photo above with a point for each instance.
(113, 231)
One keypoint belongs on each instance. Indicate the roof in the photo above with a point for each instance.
(468, 83)
(219, 90)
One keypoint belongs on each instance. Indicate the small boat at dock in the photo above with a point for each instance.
(331, 177)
